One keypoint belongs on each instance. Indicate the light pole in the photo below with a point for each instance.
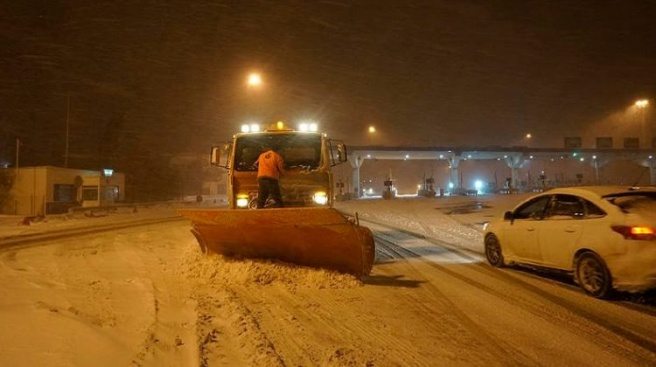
(254, 102)
(68, 114)
(641, 105)
(18, 143)
(371, 132)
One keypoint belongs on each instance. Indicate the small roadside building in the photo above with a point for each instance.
(51, 190)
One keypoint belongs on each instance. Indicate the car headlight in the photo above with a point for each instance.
(320, 198)
(242, 201)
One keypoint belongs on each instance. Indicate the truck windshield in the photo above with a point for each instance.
(297, 150)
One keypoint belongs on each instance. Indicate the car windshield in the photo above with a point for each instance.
(297, 150)
(635, 202)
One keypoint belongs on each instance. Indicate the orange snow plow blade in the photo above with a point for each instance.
(317, 237)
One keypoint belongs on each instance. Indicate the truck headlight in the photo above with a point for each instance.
(242, 201)
(320, 198)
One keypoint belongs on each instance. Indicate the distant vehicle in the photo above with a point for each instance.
(605, 236)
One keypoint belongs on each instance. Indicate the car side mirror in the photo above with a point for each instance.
(508, 216)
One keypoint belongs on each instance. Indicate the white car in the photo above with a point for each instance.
(604, 235)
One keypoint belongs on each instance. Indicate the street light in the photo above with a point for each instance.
(642, 103)
(370, 135)
(254, 80)
(528, 136)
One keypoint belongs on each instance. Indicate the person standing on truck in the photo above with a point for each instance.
(270, 166)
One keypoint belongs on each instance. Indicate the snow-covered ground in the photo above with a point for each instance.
(456, 220)
(146, 296)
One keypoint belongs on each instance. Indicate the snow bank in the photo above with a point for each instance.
(11, 225)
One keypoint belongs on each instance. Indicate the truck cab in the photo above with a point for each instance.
(308, 158)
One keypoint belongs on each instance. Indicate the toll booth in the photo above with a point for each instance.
(428, 188)
(389, 192)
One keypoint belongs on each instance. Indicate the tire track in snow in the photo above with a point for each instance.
(228, 334)
(645, 343)
(519, 358)
(315, 314)
(474, 255)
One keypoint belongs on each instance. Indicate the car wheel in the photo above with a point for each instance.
(493, 251)
(593, 275)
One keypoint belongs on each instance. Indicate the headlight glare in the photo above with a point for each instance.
(242, 201)
(320, 198)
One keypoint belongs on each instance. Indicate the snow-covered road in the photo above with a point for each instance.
(99, 299)
(146, 296)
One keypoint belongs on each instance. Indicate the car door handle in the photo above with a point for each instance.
(530, 229)
(570, 229)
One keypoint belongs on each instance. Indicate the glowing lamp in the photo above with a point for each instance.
(642, 103)
(320, 198)
(242, 201)
(478, 185)
(254, 80)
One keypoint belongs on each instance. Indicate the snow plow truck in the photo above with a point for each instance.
(307, 230)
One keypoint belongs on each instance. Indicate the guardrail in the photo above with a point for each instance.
(93, 210)
(102, 211)
(24, 239)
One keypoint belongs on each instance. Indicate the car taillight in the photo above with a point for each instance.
(636, 232)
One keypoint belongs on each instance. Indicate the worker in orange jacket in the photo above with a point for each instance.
(270, 166)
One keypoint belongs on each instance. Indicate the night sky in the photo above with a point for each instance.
(154, 79)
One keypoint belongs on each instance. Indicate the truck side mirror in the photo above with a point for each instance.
(215, 156)
(341, 153)
(219, 155)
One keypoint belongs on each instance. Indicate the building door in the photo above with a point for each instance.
(110, 194)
